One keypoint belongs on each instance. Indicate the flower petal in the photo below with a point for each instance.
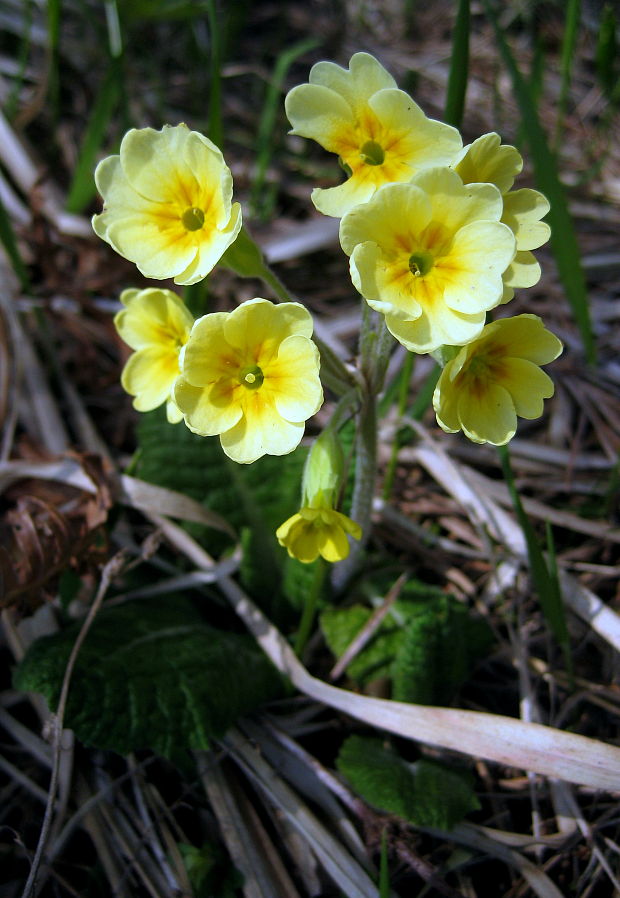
(364, 77)
(487, 415)
(526, 337)
(455, 204)
(257, 327)
(486, 160)
(149, 375)
(317, 112)
(208, 410)
(430, 331)
(523, 210)
(153, 317)
(471, 273)
(528, 385)
(293, 379)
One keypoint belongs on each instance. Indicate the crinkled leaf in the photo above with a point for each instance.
(440, 644)
(427, 644)
(340, 626)
(151, 675)
(426, 793)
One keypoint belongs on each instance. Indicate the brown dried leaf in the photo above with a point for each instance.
(48, 527)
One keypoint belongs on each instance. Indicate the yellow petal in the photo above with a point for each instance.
(257, 327)
(526, 337)
(319, 113)
(455, 204)
(149, 375)
(470, 275)
(211, 249)
(392, 219)
(364, 77)
(486, 160)
(333, 543)
(259, 432)
(528, 385)
(523, 210)
(153, 317)
(430, 331)
(207, 357)
(445, 402)
(208, 410)
(487, 415)
(523, 271)
(293, 379)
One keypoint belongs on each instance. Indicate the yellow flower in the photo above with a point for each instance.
(156, 324)
(430, 256)
(251, 376)
(487, 160)
(495, 378)
(317, 531)
(167, 203)
(378, 132)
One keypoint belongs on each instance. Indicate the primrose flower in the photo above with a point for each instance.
(317, 528)
(251, 376)
(155, 323)
(379, 134)
(167, 203)
(495, 378)
(430, 256)
(486, 159)
(317, 531)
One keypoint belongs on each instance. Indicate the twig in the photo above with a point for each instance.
(368, 630)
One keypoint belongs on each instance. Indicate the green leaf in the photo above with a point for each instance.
(427, 644)
(440, 644)
(210, 871)
(340, 626)
(262, 495)
(425, 793)
(151, 675)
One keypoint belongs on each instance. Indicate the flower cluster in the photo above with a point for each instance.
(250, 376)
(436, 237)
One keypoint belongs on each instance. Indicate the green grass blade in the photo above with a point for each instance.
(606, 56)
(384, 869)
(563, 239)
(264, 140)
(545, 578)
(7, 238)
(82, 187)
(53, 36)
(560, 627)
(215, 127)
(459, 67)
(10, 107)
(569, 42)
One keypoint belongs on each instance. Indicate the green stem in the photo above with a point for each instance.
(403, 396)
(307, 617)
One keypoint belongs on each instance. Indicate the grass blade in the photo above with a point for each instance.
(53, 35)
(459, 67)
(7, 238)
(264, 140)
(82, 187)
(545, 578)
(573, 13)
(215, 128)
(563, 239)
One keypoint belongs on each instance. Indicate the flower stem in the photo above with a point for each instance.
(403, 395)
(307, 617)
